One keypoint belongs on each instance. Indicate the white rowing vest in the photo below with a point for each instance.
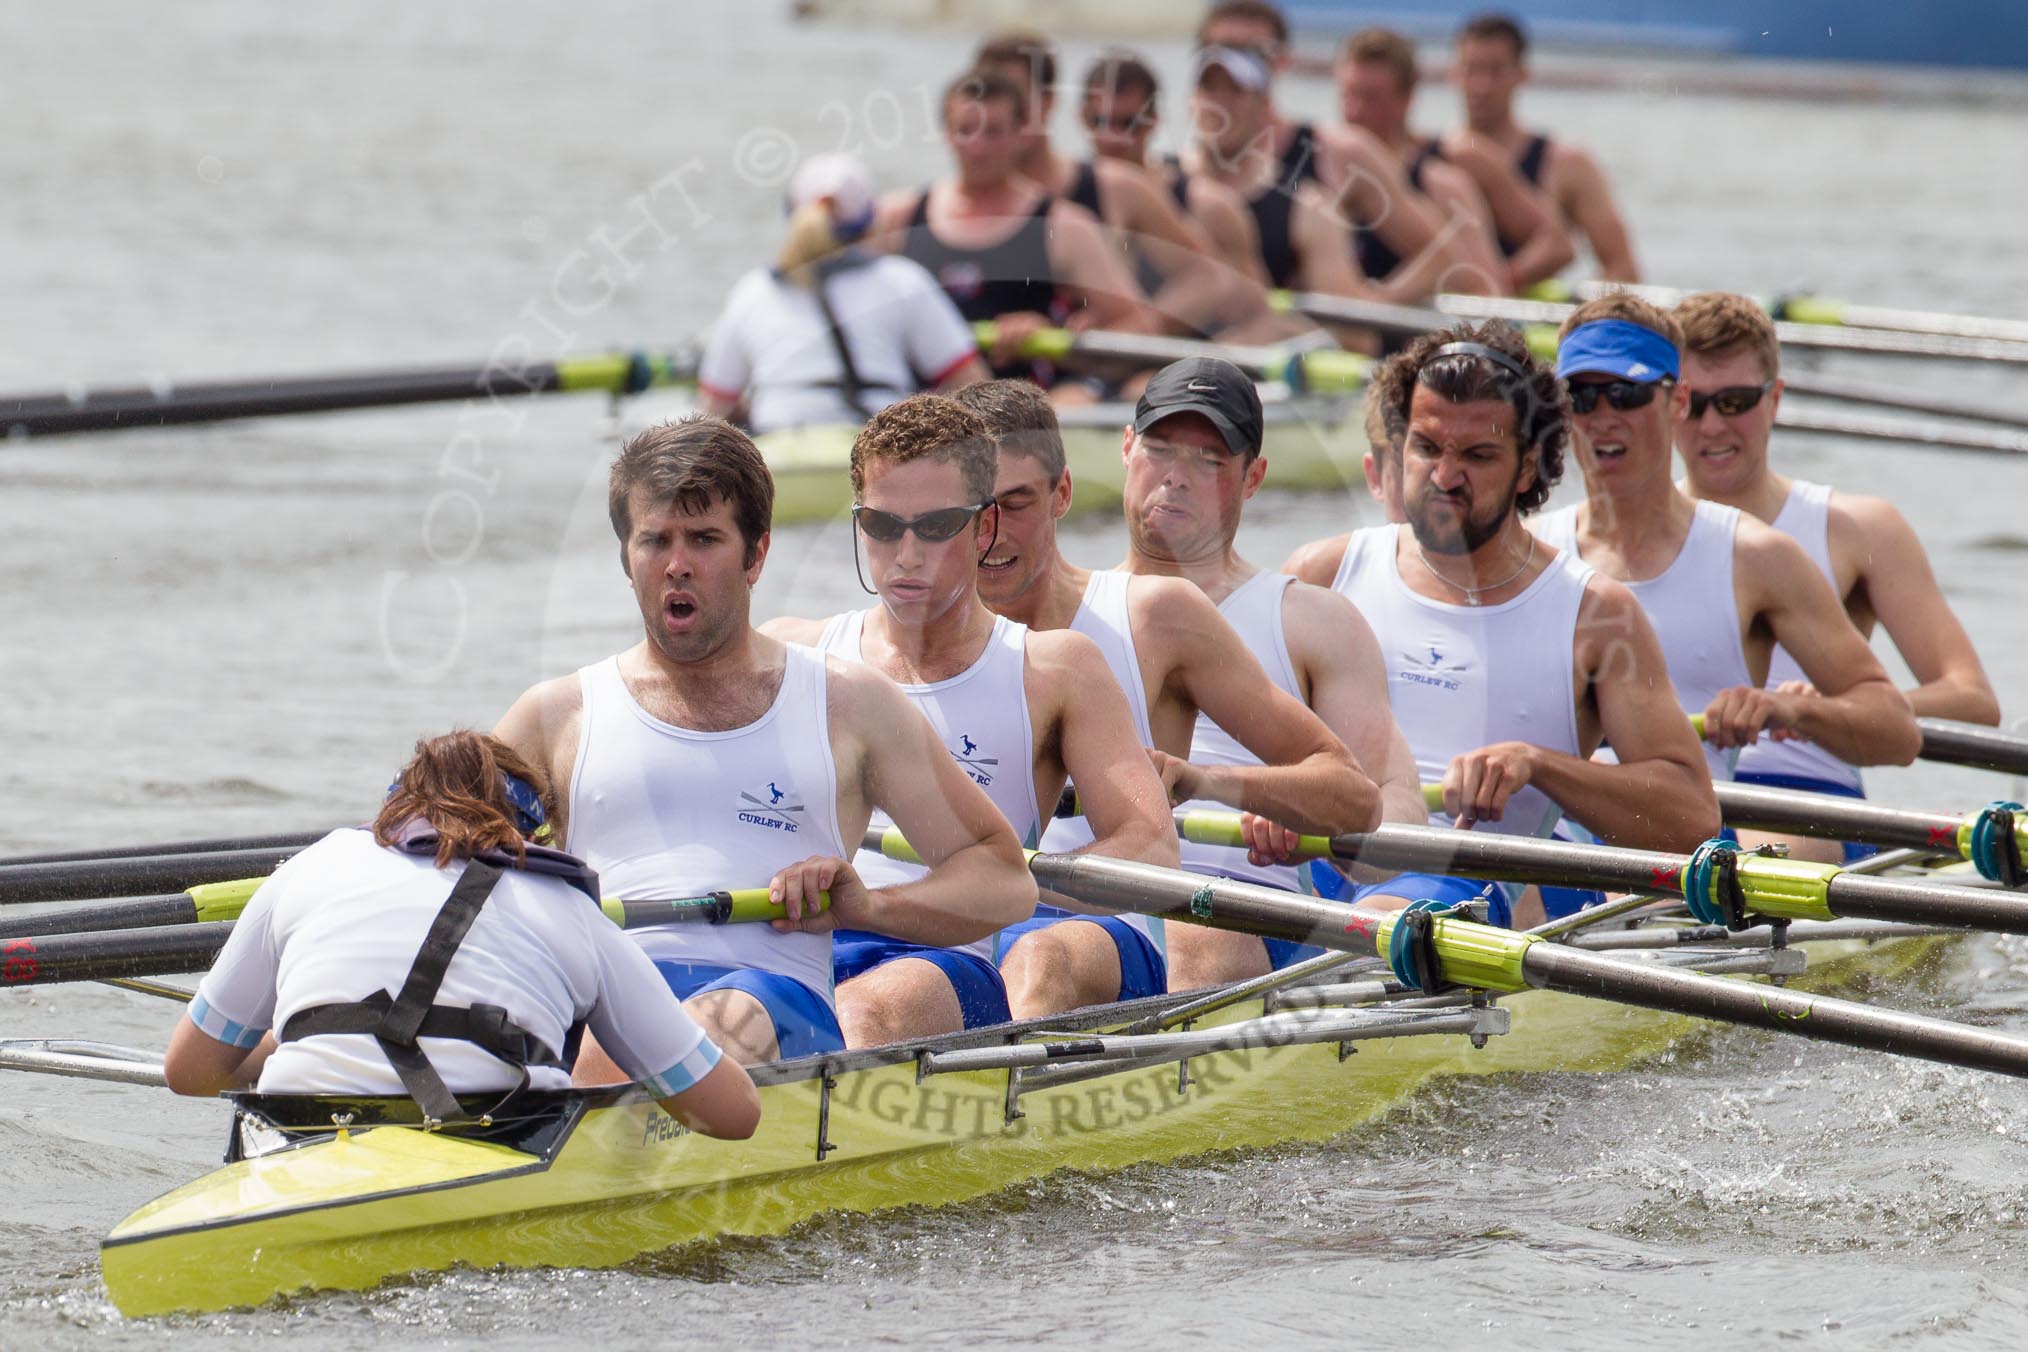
(981, 714)
(1693, 608)
(1103, 618)
(1254, 610)
(1806, 518)
(663, 811)
(1463, 677)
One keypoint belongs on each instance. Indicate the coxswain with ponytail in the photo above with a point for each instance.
(440, 953)
(832, 333)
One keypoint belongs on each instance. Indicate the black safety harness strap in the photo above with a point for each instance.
(396, 1022)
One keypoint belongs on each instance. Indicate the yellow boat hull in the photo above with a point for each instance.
(349, 1212)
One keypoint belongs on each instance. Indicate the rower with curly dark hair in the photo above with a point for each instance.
(1508, 662)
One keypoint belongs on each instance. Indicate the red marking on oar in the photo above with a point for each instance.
(1365, 925)
(1942, 835)
(1663, 877)
(18, 969)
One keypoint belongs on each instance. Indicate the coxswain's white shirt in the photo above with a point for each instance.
(344, 919)
(772, 343)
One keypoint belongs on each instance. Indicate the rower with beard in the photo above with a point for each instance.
(1490, 66)
(1176, 264)
(708, 756)
(1003, 247)
(1360, 179)
(1863, 545)
(1720, 588)
(1194, 456)
(1509, 662)
(1504, 231)
(1021, 712)
(1174, 656)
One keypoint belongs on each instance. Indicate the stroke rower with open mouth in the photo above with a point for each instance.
(709, 756)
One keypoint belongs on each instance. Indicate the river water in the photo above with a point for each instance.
(239, 629)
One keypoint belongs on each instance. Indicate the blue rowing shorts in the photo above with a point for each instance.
(982, 994)
(1143, 969)
(805, 1023)
(1854, 851)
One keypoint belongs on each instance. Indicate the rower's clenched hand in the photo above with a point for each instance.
(798, 890)
(1180, 778)
(1738, 716)
(1478, 784)
(1010, 331)
(1267, 843)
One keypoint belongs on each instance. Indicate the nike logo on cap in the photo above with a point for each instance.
(1198, 387)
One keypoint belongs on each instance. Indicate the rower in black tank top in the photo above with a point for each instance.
(1004, 278)
(1272, 209)
(1179, 182)
(1529, 165)
(1372, 255)
(1084, 189)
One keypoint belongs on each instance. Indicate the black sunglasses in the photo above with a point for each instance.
(1621, 394)
(1732, 401)
(931, 527)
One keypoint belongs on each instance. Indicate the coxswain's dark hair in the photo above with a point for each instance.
(1469, 363)
(474, 790)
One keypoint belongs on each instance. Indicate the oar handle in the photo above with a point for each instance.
(731, 906)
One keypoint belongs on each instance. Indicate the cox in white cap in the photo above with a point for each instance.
(842, 183)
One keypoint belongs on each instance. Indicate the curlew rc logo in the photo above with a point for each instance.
(1428, 665)
(966, 754)
(771, 809)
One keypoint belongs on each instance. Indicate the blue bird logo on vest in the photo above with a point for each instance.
(770, 811)
(972, 762)
(1432, 670)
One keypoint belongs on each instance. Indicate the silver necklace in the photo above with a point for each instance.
(1472, 594)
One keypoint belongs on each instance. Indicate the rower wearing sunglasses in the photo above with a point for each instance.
(1193, 459)
(1507, 663)
(1721, 588)
(1174, 656)
(1018, 712)
(1875, 563)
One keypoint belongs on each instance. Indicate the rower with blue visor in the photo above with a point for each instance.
(1720, 588)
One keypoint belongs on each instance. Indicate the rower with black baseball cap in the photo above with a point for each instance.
(1720, 588)
(1195, 457)
(1173, 654)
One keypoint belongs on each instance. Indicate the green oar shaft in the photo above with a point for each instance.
(1972, 744)
(1776, 888)
(1502, 960)
(1324, 370)
(189, 941)
(1881, 395)
(1879, 342)
(1952, 743)
(205, 902)
(130, 877)
(1820, 310)
(284, 840)
(1830, 817)
(159, 405)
